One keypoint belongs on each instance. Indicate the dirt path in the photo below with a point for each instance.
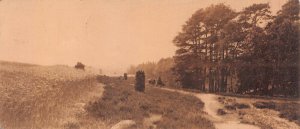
(211, 105)
(238, 119)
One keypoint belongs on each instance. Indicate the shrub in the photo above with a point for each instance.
(160, 82)
(125, 76)
(289, 111)
(152, 81)
(261, 105)
(230, 107)
(221, 112)
(241, 105)
(140, 81)
(79, 65)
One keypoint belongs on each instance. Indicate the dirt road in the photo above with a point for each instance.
(211, 107)
(259, 118)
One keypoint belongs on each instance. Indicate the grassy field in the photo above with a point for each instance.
(34, 97)
(47, 97)
(121, 102)
(61, 97)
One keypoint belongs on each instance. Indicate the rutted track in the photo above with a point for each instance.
(212, 105)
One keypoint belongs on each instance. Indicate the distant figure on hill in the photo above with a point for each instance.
(79, 65)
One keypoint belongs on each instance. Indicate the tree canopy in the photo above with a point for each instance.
(251, 51)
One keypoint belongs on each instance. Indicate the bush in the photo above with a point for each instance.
(152, 81)
(125, 76)
(160, 82)
(140, 81)
(289, 111)
(221, 112)
(79, 65)
(241, 105)
(261, 105)
(230, 107)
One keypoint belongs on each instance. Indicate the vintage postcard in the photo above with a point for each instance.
(149, 64)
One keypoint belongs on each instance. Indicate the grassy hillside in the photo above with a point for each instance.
(34, 96)
(47, 97)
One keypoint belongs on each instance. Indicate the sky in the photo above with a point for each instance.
(107, 34)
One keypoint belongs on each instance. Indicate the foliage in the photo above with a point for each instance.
(148, 68)
(163, 69)
(160, 82)
(121, 102)
(250, 51)
(125, 76)
(288, 110)
(79, 65)
(202, 42)
(140, 81)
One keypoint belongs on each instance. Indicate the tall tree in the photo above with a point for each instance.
(200, 42)
(218, 16)
(189, 43)
(252, 73)
(253, 50)
(282, 50)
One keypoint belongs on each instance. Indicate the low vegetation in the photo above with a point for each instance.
(221, 112)
(120, 102)
(287, 110)
(232, 104)
(35, 96)
(262, 105)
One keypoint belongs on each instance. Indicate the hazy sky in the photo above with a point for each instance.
(111, 34)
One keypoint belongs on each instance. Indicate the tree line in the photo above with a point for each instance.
(245, 52)
(154, 70)
(250, 51)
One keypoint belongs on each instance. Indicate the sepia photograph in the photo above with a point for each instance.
(149, 64)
